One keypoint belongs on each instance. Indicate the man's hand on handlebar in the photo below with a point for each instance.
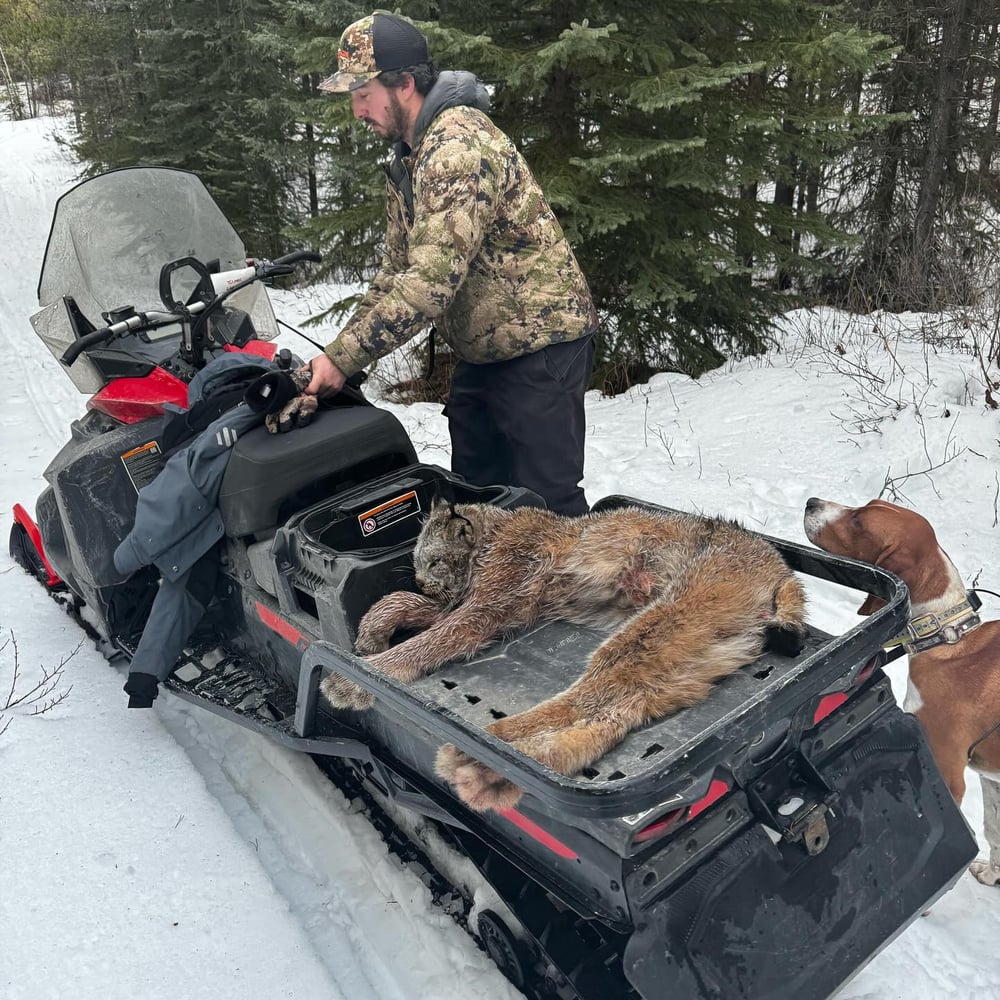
(327, 378)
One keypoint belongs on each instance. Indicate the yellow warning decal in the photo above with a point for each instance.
(143, 464)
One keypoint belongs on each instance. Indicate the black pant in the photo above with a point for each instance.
(521, 423)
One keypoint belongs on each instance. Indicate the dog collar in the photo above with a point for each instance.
(946, 628)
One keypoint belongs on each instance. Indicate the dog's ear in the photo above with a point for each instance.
(871, 605)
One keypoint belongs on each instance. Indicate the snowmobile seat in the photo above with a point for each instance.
(270, 476)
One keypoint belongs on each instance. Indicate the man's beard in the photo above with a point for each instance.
(396, 123)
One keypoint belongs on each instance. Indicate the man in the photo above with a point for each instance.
(473, 249)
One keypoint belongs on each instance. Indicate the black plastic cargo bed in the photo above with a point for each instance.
(652, 765)
(760, 845)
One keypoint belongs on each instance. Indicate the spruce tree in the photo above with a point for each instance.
(348, 223)
(192, 86)
(660, 134)
(921, 193)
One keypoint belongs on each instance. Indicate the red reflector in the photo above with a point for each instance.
(868, 669)
(277, 624)
(23, 518)
(661, 825)
(829, 703)
(666, 822)
(534, 831)
(130, 400)
(716, 790)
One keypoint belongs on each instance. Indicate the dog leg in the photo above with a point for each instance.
(948, 748)
(988, 872)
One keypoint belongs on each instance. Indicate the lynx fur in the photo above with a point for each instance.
(693, 599)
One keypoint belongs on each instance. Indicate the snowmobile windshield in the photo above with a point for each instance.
(111, 235)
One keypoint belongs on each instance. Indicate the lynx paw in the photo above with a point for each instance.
(342, 693)
(371, 639)
(449, 760)
(297, 413)
(475, 784)
(480, 788)
(983, 871)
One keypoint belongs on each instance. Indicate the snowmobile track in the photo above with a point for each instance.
(546, 966)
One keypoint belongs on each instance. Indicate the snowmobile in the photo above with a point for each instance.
(765, 843)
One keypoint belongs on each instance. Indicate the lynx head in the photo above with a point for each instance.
(446, 550)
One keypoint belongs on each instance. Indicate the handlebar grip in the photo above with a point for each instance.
(273, 270)
(296, 255)
(78, 347)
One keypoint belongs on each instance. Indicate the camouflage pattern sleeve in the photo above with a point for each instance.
(351, 360)
(454, 204)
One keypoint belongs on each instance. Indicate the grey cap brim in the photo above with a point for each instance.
(342, 83)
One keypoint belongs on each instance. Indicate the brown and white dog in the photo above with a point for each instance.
(954, 669)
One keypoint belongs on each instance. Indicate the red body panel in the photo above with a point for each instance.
(23, 518)
(130, 400)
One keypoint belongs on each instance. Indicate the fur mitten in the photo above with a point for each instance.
(281, 397)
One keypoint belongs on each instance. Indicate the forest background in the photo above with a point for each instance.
(714, 162)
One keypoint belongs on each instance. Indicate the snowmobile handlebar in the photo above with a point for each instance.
(299, 255)
(286, 264)
(146, 320)
(79, 346)
(215, 289)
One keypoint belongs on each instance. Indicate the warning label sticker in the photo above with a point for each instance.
(390, 512)
(142, 464)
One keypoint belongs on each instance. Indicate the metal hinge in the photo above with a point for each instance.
(793, 800)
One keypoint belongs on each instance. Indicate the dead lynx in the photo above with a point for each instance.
(693, 598)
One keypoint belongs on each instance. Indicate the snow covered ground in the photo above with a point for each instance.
(168, 855)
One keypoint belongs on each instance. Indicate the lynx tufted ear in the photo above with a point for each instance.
(436, 506)
(443, 492)
(461, 529)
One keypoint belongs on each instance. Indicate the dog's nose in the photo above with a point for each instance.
(812, 503)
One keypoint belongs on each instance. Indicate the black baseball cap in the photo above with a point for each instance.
(373, 45)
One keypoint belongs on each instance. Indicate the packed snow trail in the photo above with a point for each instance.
(29, 187)
(128, 872)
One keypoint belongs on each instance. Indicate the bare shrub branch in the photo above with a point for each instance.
(26, 698)
(950, 453)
